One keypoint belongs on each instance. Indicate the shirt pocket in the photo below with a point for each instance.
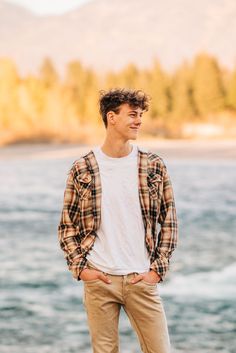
(85, 184)
(154, 182)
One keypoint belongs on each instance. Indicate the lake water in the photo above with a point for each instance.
(41, 304)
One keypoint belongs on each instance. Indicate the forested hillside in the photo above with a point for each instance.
(198, 96)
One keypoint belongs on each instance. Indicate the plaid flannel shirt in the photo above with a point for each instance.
(81, 213)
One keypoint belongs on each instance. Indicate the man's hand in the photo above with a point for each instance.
(150, 276)
(89, 274)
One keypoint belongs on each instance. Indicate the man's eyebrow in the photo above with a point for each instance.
(134, 111)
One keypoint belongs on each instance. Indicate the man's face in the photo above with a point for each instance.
(128, 121)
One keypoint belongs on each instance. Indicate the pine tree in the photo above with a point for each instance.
(183, 108)
(208, 89)
(128, 77)
(9, 102)
(159, 88)
(231, 91)
(48, 73)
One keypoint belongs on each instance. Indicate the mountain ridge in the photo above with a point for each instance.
(107, 36)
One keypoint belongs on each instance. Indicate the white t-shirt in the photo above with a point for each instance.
(119, 247)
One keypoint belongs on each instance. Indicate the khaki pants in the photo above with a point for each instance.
(142, 304)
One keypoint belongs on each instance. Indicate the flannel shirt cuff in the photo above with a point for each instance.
(77, 268)
(160, 266)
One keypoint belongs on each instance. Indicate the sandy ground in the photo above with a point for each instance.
(170, 149)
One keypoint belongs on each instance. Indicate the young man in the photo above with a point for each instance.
(115, 197)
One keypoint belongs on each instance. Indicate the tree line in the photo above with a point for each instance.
(47, 107)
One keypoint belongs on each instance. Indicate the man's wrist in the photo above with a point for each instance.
(80, 272)
(157, 275)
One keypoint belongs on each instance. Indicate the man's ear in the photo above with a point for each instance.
(111, 117)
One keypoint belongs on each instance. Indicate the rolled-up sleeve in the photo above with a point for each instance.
(168, 234)
(68, 234)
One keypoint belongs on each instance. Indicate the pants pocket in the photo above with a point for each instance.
(148, 283)
(93, 280)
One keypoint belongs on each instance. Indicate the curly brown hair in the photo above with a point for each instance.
(112, 100)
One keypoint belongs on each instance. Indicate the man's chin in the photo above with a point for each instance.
(133, 138)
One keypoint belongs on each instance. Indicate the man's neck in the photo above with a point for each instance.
(116, 149)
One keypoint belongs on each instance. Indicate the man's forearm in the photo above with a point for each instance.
(160, 265)
(68, 241)
(168, 235)
(67, 231)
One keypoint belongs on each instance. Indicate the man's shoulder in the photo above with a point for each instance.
(153, 157)
(79, 165)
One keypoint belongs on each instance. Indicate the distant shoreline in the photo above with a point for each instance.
(170, 149)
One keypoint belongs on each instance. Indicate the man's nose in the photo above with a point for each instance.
(138, 121)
